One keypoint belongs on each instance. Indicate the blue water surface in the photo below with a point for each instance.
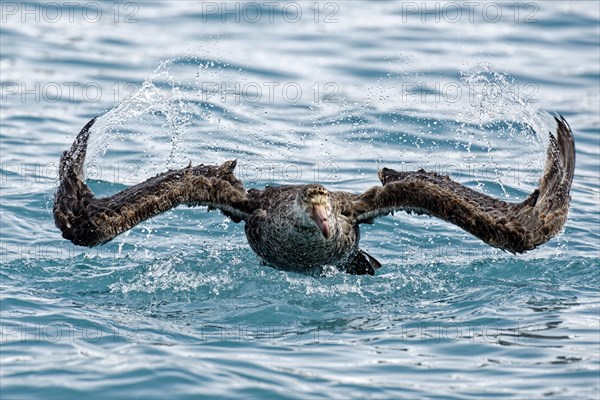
(297, 92)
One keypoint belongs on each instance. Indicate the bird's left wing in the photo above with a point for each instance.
(89, 221)
(515, 227)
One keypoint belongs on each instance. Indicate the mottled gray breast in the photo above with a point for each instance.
(287, 239)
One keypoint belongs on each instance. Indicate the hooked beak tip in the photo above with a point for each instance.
(326, 233)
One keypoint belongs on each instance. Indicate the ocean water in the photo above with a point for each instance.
(297, 92)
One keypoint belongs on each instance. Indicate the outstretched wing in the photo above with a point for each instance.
(89, 221)
(515, 227)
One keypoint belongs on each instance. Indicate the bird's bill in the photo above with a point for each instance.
(320, 217)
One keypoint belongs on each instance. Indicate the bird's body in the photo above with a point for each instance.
(286, 237)
(303, 227)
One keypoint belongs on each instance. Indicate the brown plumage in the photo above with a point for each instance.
(301, 227)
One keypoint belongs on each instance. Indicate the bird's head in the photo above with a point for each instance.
(314, 201)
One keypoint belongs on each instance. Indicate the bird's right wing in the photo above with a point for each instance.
(515, 227)
(89, 221)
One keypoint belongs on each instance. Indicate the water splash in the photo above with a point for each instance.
(497, 105)
(160, 95)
